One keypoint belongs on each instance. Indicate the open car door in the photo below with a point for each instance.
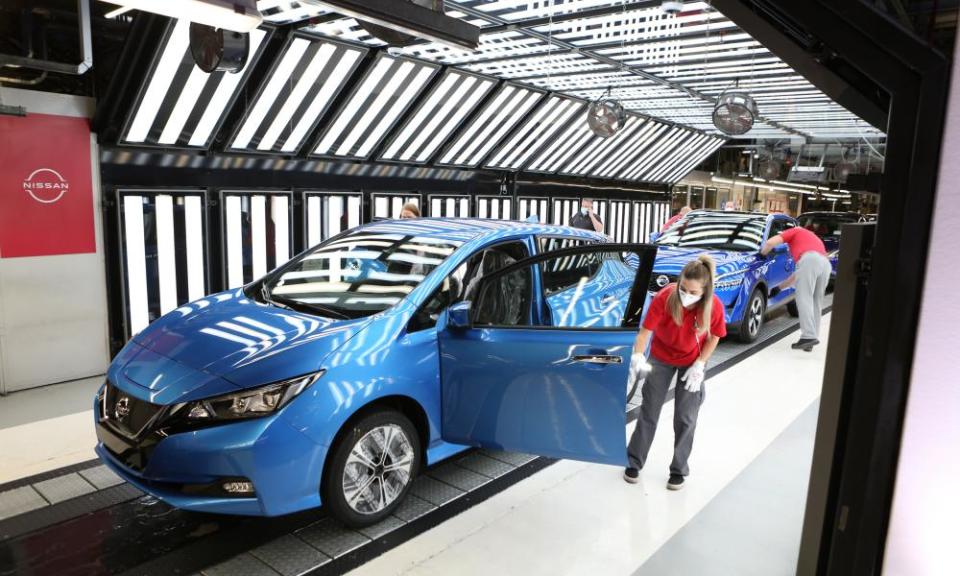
(538, 361)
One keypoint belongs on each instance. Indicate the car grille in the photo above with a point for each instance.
(656, 286)
(126, 414)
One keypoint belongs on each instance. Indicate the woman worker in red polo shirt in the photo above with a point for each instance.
(686, 322)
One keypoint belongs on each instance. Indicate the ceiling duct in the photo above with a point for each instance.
(770, 168)
(735, 112)
(394, 37)
(399, 23)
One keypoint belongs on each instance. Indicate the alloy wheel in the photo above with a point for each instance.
(379, 467)
(756, 315)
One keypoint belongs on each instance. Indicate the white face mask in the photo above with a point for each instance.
(687, 299)
(584, 211)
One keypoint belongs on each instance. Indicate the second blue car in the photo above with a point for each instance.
(749, 284)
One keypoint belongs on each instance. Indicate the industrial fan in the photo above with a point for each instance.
(606, 116)
(216, 49)
(735, 112)
(770, 168)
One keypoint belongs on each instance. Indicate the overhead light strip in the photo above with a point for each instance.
(544, 132)
(496, 132)
(507, 148)
(278, 80)
(670, 149)
(654, 153)
(612, 144)
(681, 154)
(695, 158)
(626, 148)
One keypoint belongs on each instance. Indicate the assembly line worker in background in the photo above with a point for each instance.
(586, 218)
(686, 321)
(683, 212)
(811, 278)
(409, 210)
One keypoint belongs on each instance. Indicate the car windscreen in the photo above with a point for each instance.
(716, 231)
(358, 274)
(824, 225)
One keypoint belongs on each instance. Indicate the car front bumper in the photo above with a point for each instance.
(187, 469)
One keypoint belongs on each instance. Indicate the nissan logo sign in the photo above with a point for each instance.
(662, 280)
(122, 409)
(45, 185)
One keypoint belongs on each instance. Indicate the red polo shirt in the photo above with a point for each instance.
(679, 345)
(801, 241)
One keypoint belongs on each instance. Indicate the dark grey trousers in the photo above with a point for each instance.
(685, 412)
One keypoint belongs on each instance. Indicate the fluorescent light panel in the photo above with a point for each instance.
(269, 95)
(136, 260)
(295, 99)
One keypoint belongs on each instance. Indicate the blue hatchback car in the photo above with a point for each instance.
(338, 376)
(748, 284)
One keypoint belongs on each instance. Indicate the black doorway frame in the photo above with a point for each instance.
(861, 57)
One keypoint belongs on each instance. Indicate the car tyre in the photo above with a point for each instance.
(792, 309)
(372, 468)
(752, 321)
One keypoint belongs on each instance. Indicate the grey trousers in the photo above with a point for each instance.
(686, 410)
(813, 275)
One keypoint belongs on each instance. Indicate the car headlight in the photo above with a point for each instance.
(252, 403)
(728, 282)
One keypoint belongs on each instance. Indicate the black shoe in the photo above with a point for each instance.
(805, 344)
(675, 482)
(631, 475)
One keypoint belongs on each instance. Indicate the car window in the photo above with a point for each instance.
(358, 274)
(461, 284)
(824, 225)
(505, 300)
(779, 225)
(561, 274)
(599, 287)
(717, 231)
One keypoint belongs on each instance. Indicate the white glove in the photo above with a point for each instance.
(639, 367)
(693, 377)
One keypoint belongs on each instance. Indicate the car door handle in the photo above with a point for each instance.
(598, 359)
(607, 297)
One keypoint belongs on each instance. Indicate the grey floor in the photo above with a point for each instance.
(752, 527)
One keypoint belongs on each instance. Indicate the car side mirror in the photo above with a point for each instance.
(458, 315)
(654, 236)
(781, 248)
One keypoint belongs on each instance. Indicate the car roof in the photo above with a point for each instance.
(736, 213)
(831, 213)
(466, 229)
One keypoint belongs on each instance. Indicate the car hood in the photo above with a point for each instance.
(671, 260)
(231, 337)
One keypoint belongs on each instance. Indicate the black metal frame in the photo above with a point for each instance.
(887, 58)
